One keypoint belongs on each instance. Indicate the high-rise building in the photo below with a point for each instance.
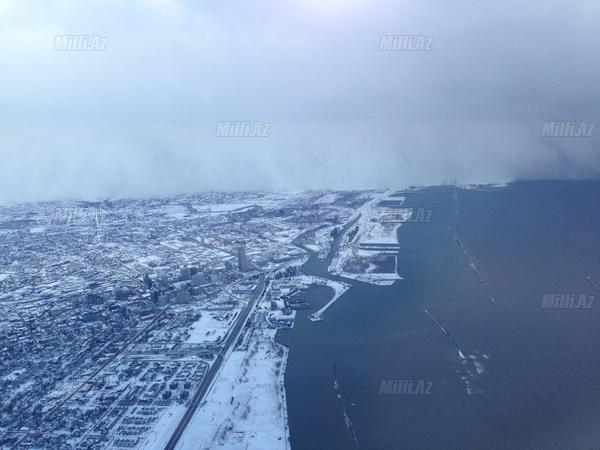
(198, 279)
(184, 274)
(244, 262)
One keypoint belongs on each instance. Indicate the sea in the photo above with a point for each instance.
(463, 353)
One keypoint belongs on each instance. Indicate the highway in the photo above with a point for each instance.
(214, 369)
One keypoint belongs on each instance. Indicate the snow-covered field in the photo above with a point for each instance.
(245, 407)
(225, 207)
(211, 327)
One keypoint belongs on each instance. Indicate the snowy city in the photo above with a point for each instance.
(152, 323)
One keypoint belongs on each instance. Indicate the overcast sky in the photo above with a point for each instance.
(140, 118)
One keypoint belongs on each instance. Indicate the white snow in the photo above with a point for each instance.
(163, 429)
(176, 211)
(313, 247)
(224, 207)
(245, 407)
(338, 289)
(376, 225)
(209, 328)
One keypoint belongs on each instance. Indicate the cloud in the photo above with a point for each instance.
(140, 118)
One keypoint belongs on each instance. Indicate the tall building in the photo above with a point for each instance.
(198, 279)
(244, 262)
(184, 274)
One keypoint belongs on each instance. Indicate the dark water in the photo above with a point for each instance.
(541, 385)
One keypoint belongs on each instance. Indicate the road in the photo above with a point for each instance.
(214, 369)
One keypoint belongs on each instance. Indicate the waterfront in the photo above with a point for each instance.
(538, 384)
